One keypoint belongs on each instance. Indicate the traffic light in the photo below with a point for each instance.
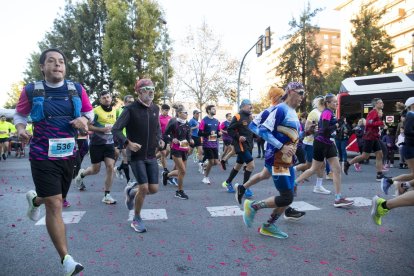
(233, 95)
(268, 38)
(259, 46)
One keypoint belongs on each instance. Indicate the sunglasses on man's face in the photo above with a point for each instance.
(184, 112)
(148, 88)
(300, 92)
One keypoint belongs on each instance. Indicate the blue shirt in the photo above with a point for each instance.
(192, 123)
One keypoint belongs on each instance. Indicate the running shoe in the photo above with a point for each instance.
(321, 190)
(181, 195)
(108, 199)
(129, 198)
(33, 212)
(71, 267)
(248, 193)
(293, 214)
(223, 164)
(342, 202)
(138, 225)
(248, 213)
(173, 181)
(377, 211)
(200, 167)
(346, 167)
(228, 187)
(4, 156)
(329, 176)
(272, 230)
(116, 172)
(206, 180)
(165, 178)
(239, 192)
(66, 203)
(379, 177)
(79, 180)
(385, 168)
(386, 183)
(357, 167)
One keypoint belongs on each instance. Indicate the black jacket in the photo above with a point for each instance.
(239, 126)
(142, 126)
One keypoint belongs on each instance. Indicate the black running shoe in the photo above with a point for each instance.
(223, 164)
(293, 214)
(181, 195)
(379, 176)
(164, 178)
(239, 192)
(346, 167)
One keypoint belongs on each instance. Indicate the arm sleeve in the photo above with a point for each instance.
(23, 106)
(167, 137)
(273, 120)
(201, 129)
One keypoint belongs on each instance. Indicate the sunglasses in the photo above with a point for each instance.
(184, 112)
(300, 92)
(148, 88)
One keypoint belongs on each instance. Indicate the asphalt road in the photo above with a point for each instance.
(191, 238)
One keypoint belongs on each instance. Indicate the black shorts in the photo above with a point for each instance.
(179, 154)
(145, 171)
(3, 140)
(210, 153)
(52, 177)
(197, 142)
(322, 151)
(372, 146)
(98, 153)
(227, 142)
(300, 155)
(244, 157)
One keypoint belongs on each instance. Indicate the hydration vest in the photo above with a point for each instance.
(37, 99)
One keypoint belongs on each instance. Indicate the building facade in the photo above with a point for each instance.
(398, 22)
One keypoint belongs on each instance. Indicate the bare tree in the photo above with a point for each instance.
(205, 70)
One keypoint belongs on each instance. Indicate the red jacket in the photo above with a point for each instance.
(373, 123)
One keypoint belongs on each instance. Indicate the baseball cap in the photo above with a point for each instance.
(294, 85)
(409, 102)
(195, 111)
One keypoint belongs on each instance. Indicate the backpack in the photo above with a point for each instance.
(37, 98)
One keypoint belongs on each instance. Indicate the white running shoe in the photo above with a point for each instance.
(200, 167)
(108, 199)
(79, 179)
(206, 180)
(33, 212)
(321, 190)
(71, 267)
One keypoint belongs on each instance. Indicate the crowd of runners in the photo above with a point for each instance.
(143, 137)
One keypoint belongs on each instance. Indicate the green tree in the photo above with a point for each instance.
(332, 80)
(302, 55)
(206, 70)
(79, 34)
(371, 52)
(133, 44)
(14, 94)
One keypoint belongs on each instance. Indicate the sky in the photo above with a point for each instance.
(238, 23)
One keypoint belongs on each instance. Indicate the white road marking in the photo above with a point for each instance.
(68, 217)
(224, 211)
(150, 214)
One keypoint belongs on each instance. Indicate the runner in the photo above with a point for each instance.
(371, 139)
(209, 130)
(164, 120)
(324, 148)
(102, 147)
(275, 96)
(281, 132)
(52, 146)
(5, 129)
(194, 125)
(141, 120)
(179, 135)
(243, 146)
(228, 149)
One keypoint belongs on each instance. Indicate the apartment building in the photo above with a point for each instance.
(398, 22)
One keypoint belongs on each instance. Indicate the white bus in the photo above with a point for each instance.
(355, 95)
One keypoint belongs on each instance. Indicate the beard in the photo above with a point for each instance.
(147, 98)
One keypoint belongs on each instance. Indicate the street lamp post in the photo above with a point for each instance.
(164, 62)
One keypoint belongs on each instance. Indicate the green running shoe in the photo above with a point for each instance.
(272, 230)
(377, 211)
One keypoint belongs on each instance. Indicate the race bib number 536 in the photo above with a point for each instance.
(61, 147)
